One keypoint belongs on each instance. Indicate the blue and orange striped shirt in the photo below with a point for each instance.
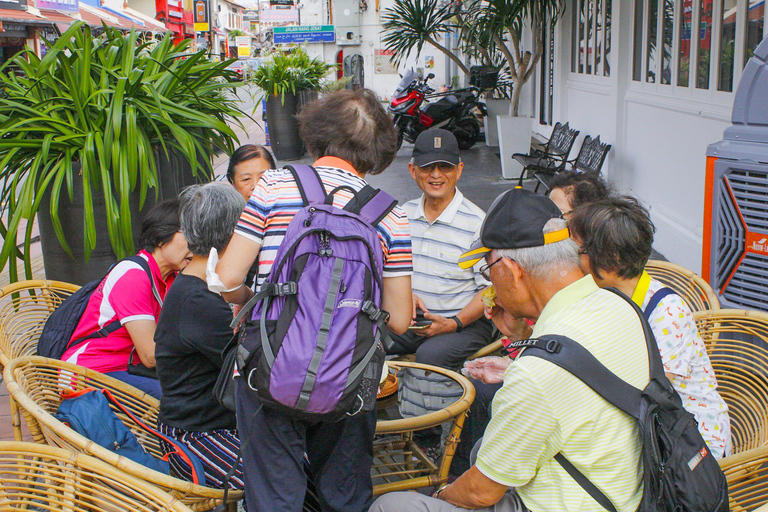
(276, 200)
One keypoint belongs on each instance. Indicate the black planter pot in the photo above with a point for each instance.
(174, 174)
(284, 128)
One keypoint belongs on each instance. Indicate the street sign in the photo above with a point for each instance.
(201, 16)
(250, 15)
(243, 41)
(305, 34)
(243, 51)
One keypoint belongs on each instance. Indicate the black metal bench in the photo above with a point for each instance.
(590, 160)
(554, 154)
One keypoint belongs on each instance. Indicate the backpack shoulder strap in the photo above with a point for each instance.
(655, 299)
(145, 265)
(654, 358)
(571, 356)
(585, 483)
(310, 185)
(377, 205)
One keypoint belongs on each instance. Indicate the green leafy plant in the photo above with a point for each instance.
(409, 24)
(281, 74)
(99, 110)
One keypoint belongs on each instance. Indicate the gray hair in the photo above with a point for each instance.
(543, 261)
(208, 215)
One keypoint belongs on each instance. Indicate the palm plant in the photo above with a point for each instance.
(498, 24)
(97, 110)
(411, 23)
(282, 74)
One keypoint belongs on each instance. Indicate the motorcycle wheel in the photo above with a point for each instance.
(399, 139)
(467, 132)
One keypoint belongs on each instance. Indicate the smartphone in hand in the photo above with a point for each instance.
(421, 322)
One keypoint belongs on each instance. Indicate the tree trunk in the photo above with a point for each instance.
(450, 55)
(517, 89)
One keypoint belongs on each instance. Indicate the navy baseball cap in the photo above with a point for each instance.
(434, 146)
(515, 220)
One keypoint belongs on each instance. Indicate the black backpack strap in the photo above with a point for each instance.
(113, 326)
(655, 299)
(569, 355)
(309, 183)
(584, 482)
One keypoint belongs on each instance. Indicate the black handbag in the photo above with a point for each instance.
(224, 389)
(139, 369)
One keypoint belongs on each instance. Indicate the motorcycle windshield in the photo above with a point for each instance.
(408, 78)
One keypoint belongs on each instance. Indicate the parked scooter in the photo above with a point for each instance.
(453, 111)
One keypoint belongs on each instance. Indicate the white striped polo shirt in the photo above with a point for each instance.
(542, 409)
(437, 246)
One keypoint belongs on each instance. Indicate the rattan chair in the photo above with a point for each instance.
(398, 462)
(737, 344)
(39, 477)
(491, 349)
(697, 293)
(24, 308)
(36, 382)
(747, 475)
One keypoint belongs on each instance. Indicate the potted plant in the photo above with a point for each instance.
(104, 122)
(497, 28)
(288, 81)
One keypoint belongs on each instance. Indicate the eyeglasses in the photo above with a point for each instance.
(443, 168)
(485, 270)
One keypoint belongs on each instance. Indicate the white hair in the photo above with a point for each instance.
(545, 260)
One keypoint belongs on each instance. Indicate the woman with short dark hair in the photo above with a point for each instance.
(126, 295)
(246, 165)
(192, 332)
(615, 238)
(571, 189)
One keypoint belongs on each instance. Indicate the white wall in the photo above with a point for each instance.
(144, 6)
(659, 135)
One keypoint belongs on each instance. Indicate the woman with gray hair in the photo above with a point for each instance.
(192, 332)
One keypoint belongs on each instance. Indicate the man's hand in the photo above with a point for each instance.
(514, 328)
(487, 369)
(440, 325)
(417, 304)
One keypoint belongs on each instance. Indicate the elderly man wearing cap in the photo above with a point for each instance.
(541, 409)
(443, 225)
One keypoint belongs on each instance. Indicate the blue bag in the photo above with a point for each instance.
(88, 413)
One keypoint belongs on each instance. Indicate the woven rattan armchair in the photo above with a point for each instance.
(36, 382)
(398, 462)
(697, 293)
(39, 477)
(747, 475)
(737, 343)
(24, 308)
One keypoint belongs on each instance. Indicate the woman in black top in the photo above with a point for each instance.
(192, 331)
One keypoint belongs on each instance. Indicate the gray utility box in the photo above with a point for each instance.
(346, 18)
(735, 259)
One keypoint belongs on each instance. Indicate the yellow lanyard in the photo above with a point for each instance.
(641, 289)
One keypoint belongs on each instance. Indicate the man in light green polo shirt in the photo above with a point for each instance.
(542, 409)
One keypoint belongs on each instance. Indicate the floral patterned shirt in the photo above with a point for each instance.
(685, 357)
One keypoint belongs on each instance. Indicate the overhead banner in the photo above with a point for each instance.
(305, 34)
(59, 5)
(281, 2)
(250, 15)
(201, 16)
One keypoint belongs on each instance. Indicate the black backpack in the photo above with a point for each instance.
(679, 472)
(61, 325)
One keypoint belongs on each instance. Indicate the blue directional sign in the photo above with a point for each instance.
(305, 34)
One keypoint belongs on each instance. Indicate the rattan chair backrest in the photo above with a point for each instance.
(697, 293)
(24, 308)
(747, 476)
(39, 477)
(35, 383)
(737, 344)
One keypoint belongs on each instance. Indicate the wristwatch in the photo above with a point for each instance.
(459, 324)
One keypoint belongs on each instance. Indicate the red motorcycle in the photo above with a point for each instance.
(453, 111)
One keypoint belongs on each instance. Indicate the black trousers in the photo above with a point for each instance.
(340, 458)
(445, 350)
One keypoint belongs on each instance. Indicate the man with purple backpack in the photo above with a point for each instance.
(334, 271)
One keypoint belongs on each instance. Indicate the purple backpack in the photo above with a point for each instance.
(312, 349)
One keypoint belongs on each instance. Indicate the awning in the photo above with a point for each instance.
(94, 18)
(56, 17)
(124, 17)
(24, 17)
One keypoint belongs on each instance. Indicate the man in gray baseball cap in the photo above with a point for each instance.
(448, 323)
